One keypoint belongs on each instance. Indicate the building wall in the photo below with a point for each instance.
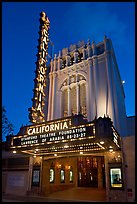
(15, 172)
(4, 181)
(17, 182)
(103, 86)
(129, 156)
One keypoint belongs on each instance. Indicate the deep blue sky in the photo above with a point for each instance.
(70, 22)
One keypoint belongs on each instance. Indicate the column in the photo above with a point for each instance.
(91, 109)
(84, 52)
(59, 61)
(53, 95)
(30, 173)
(78, 99)
(100, 179)
(41, 173)
(69, 102)
(50, 96)
(67, 60)
(75, 56)
(55, 63)
(94, 48)
(51, 65)
(111, 104)
(59, 110)
(87, 102)
(96, 83)
(89, 48)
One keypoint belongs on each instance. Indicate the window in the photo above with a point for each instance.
(36, 177)
(71, 176)
(52, 175)
(62, 176)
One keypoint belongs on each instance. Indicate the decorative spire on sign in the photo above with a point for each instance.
(36, 113)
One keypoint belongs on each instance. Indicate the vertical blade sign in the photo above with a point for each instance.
(36, 113)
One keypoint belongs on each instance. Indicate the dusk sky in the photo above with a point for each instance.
(70, 22)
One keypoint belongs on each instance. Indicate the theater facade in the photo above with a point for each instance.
(78, 120)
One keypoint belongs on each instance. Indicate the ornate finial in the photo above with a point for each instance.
(88, 43)
(76, 47)
(44, 18)
(105, 37)
(93, 42)
(55, 56)
(43, 14)
(59, 54)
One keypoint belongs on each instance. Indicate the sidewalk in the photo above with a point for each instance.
(10, 198)
(14, 198)
(70, 195)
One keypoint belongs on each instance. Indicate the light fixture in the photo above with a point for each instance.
(14, 152)
(101, 142)
(34, 156)
(81, 152)
(111, 150)
(55, 155)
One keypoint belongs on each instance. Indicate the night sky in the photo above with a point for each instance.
(70, 22)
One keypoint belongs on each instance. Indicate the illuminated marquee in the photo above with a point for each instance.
(74, 133)
(36, 114)
(48, 128)
(72, 130)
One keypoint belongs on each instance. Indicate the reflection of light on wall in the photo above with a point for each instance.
(101, 107)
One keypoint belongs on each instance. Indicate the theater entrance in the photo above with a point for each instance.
(88, 171)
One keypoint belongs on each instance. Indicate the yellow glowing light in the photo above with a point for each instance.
(14, 152)
(81, 152)
(101, 142)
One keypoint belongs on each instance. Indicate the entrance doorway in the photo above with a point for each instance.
(88, 171)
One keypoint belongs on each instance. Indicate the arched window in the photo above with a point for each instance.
(62, 174)
(71, 175)
(52, 173)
